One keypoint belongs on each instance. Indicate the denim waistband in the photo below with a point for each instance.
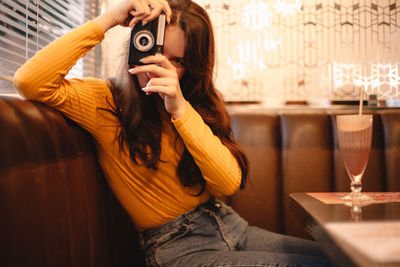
(209, 204)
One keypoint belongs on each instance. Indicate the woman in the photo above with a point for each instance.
(164, 140)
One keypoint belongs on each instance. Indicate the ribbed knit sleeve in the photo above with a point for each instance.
(42, 78)
(217, 164)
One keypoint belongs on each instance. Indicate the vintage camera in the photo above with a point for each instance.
(147, 40)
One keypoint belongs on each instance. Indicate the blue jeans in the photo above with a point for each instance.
(213, 234)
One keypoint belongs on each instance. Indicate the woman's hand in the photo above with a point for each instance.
(130, 12)
(164, 81)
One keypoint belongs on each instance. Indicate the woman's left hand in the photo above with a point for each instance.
(164, 80)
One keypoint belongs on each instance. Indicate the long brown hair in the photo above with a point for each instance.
(140, 115)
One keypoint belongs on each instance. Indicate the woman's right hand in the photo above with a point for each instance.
(130, 12)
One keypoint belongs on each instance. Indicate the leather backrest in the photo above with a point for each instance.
(297, 151)
(259, 136)
(56, 207)
(391, 129)
(306, 159)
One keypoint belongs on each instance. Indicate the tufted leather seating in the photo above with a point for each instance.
(297, 151)
(57, 210)
(56, 207)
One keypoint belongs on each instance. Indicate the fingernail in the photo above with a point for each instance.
(132, 70)
(144, 89)
(144, 22)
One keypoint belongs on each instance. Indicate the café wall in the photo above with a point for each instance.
(275, 51)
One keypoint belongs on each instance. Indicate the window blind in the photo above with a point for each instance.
(29, 25)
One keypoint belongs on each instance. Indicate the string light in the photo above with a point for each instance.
(250, 57)
(256, 15)
(342, 74)
(258, 38)
(270, 43)
(287, 7)
(374, 78)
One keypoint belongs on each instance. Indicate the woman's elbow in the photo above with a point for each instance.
(232, 189)
(232, 186)
(24, 85)
(20, 83)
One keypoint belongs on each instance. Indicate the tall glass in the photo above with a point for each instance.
(355, 136)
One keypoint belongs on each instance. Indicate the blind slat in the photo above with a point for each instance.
(69, 13)
(9, 73)
(6, 78)
(15, 55)
(43, 23)
(44, 17)
(10, 63)
(75, 9)
(12, 45)
(27, 26)
(22, 28)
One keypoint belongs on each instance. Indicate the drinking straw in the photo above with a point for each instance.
(362, 93)
(361, 101)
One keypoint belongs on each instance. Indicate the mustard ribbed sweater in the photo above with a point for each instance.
(151, 197)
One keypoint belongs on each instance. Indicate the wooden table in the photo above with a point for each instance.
(351, 234)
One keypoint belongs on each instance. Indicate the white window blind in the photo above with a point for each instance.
(29, 25)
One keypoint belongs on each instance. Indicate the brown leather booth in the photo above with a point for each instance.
(56, 207)
(296, 150)
(57, 210)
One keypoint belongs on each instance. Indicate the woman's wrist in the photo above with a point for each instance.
(106, 21)
(179, 112)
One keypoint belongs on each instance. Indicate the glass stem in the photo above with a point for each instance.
(356, 187)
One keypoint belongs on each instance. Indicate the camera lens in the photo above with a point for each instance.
(143, 41)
